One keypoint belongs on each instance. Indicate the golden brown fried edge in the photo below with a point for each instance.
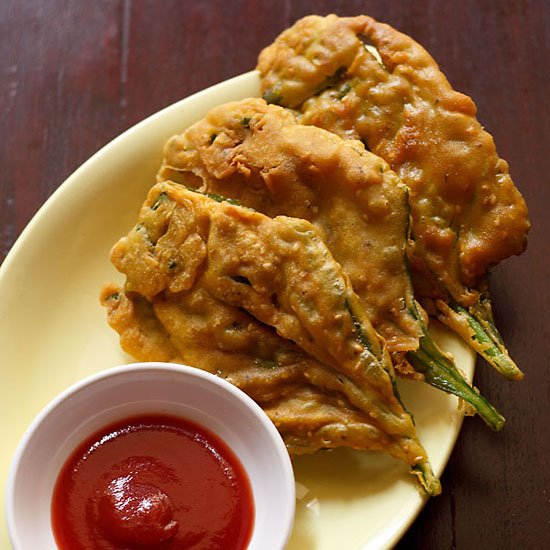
(363, 79)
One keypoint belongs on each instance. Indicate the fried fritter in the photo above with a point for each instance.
(280, 272)
(267, 161)
(307, 402)
(260, 155)
(364, 80)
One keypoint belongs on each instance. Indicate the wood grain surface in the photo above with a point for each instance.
(74, 74)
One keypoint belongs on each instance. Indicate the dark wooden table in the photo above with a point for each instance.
(74, 74)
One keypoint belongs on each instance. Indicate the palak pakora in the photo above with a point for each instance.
(280, 272)
(259, 154)
(364, 80)
(280, 258)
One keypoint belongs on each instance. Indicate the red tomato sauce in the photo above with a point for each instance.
(154, 482)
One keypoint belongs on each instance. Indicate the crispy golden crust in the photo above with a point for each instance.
(309, 420)
(467, 214)
(258, 154)
(279, 271)
(225, 341)
(305, 58)
(141, 333)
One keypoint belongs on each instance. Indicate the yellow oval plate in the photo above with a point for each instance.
(54, 332)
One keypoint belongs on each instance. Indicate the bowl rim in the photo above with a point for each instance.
(252, 407)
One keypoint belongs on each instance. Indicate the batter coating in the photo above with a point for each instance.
(307, 401)
(280, 272)
(364, 80)
(263, 158)
(259, 154)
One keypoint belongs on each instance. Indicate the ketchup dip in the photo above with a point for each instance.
(157, 482)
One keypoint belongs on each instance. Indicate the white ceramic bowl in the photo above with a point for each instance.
(144, 388)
